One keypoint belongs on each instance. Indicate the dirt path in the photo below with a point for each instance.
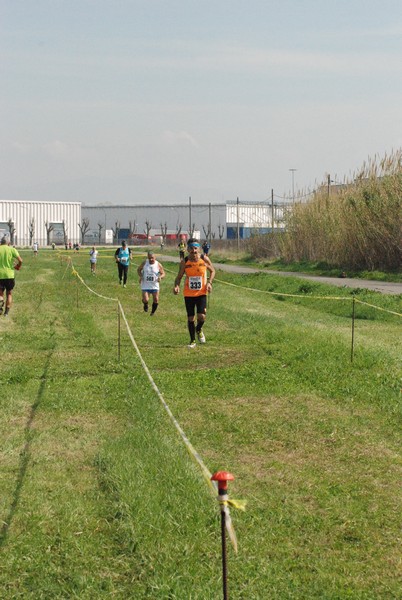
(384, 287)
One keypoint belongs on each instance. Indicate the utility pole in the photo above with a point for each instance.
(189, 210)
(210, 225)
(238, 224)
(272, 210)
(329, 185)
(293, 183)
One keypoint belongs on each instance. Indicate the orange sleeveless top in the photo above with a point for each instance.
(196, 278)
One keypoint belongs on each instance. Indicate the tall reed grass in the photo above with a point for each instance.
(356, 225)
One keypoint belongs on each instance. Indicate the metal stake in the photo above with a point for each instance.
(224, 561)
(353, 330)
(222, 478)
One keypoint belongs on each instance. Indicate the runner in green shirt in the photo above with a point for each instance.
(8, 255)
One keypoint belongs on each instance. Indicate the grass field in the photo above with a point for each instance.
(99, 497)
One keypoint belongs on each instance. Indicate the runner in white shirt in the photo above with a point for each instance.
(150, 272)
(93, 257)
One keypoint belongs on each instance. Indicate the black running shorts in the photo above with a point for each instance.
(194, 303)
(7, 284)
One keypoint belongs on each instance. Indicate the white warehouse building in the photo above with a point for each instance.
(26, 221)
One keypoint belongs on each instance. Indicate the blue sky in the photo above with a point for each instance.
(153, 101)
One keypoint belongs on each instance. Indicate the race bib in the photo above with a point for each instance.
(123, 260)
(195, 283)
(150, 278)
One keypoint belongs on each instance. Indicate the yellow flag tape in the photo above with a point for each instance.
(378, 307)
(239, 504)
(283, 293)
(190, 448)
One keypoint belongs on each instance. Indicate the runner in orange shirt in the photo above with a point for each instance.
(199, 274)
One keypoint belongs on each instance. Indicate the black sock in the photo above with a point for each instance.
(146, 306)
(191, 329)
(154, 307)
(199, 326)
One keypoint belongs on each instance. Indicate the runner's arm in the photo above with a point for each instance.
(161, 272)
(211, 271)
(139, 270)
(17, 267)
(178, 279)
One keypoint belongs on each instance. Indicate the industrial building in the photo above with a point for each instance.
(215, 221)
(61, 222)
(26, 222)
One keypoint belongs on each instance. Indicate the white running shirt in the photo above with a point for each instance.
(150, 274)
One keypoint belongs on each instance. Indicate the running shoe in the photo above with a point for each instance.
(201, 337)
(192, 344)
(124, 285)
(1, 306)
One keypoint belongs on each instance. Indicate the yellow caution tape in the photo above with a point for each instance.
(283, 293)
(191, 450)
(378, 307)
(239, 504)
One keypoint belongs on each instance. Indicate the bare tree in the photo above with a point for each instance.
(148, 227)
(49, 228)
(132, 228)
(100, 227)
(84, 226)
(31, 230)
(191, 231)
(116, 231)
(11, 229)
(179, 227)
(164, 232)
(221, 231)
(65, 232)
(207, 232)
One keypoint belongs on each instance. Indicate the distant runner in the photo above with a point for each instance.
(181, 246)
(196, 288)
(206, 247)
(122, 257)
(150, 272)
(93, 257)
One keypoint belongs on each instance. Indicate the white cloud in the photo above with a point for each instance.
(59, 150)
(178, 137)
(226, 57)
(20, 147)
